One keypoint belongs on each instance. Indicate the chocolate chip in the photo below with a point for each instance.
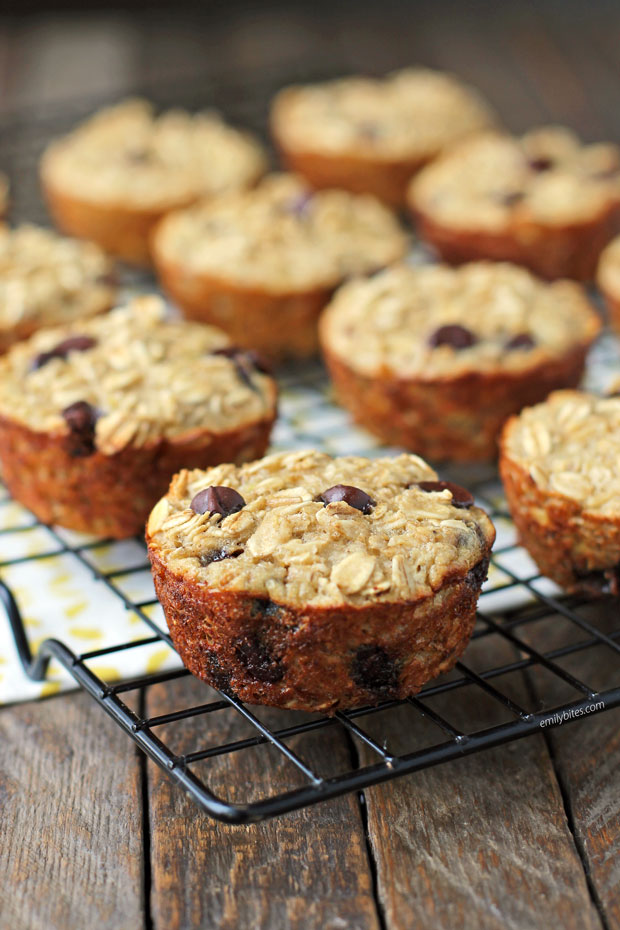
(245, 363)
(540, 164)
(217, 499)
(600, 581)
(461, 497)
(374, 670)
(257, 660)
(138, 156)
(477, 575)
(218, 555)
(369, 130)
(81, 419)
(219, 677)
(521, 341)
(299, 205)
(72, 344)
(352, 496)
(511, 198)
(265, 607)
(453, 334)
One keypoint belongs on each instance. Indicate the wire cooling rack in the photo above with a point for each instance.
(526, 628)
(514, 601)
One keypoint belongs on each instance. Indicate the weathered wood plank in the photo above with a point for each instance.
(305, 870)
(586, 754)
(70, 819)
(481, 842)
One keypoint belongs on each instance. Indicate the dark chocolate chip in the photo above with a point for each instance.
(511, 198)
(540, 164)
(521, 341)
(245, 363)
(264, 607)
(461, 497)
(352, 496)
(138, 156)
(453, 334)
(599, 581)
(257, 660)
(218, 555)
(219, 677)
(300, 204)
(374, 670)
(217, 499)
(72, 344)
(81, 419)
(369, 130)
(477, 575)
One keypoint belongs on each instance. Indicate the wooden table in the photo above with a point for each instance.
(525, 836)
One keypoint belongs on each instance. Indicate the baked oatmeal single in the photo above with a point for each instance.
(371, 135)
(95, 417)
(114, 177)
(436, 358)
(559, 464)
(318, 584)
(544, 200)
(262, 264)
(47, 279)
(608, 280)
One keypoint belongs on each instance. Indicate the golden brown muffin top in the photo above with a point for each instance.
(570, 445)
(305, 528)
(128, 157)
(494, 181)
(436, 321)
(47, 279)
(282, 237)
(133, 377)
(411, 114)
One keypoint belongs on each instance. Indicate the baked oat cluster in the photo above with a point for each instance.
(282, 237)
(435, 321)
(127, 155)
(131, 378)
(305, 529)
(47, 279)
(546, 176)
(570, 445)
(411, 112)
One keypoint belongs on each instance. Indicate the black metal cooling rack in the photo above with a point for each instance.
(576, 630)
(449, 742)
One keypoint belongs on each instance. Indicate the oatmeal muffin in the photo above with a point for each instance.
(435, 358)
(46, 279)
(262, 264)
(118, 173)
(559, 464)
(96, 417)
(608, 280)
(543, 200)
(370, 136)
(318, 584)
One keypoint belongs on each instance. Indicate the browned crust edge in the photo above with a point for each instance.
(613, 308)
(279, 325)
(570, 251)
(360, 174)
(580, 551)
(119, 230)
(451, 419)
(316, 659)
(111, 495)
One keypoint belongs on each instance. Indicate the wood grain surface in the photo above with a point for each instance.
(71, 849)
(524, 837)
